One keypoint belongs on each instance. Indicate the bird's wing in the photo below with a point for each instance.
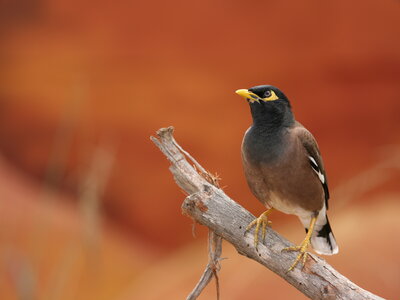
(314, 156)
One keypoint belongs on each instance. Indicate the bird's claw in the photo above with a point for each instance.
(302, 248)
(261, 222)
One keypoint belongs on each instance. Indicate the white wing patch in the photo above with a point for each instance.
(316, 169)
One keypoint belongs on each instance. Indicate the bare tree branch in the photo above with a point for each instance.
(210, 206)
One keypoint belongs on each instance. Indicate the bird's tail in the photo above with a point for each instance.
(322, 239)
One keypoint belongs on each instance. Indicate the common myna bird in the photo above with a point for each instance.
(284, 170)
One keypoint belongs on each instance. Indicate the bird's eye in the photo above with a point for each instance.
(267, 94)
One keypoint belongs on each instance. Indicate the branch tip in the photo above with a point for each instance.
(166, 131)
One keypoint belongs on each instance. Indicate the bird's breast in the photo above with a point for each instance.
(260, 147)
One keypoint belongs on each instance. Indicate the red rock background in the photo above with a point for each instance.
(88, 209)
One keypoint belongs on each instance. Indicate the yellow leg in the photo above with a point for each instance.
(262, 221)
(302, 248)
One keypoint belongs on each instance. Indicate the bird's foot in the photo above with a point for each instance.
(261, 222)
(302, 248)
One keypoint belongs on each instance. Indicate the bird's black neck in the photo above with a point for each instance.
(265, 139)
(271, 118)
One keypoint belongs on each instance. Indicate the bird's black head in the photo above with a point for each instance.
(269, 106)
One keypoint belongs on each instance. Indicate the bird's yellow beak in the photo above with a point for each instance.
(248, 95)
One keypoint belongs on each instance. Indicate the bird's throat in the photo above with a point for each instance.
(271, 117)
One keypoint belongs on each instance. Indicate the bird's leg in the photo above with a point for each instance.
(302, 248)
(262, 221)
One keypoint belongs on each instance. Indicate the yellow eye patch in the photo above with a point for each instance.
(271, 98)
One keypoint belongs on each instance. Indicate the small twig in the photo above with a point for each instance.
(197, 165)
(212, 268)
(210, 206)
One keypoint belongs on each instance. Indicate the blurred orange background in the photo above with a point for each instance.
(88, 208)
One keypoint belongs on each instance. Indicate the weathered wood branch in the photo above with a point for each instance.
(210, 206)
